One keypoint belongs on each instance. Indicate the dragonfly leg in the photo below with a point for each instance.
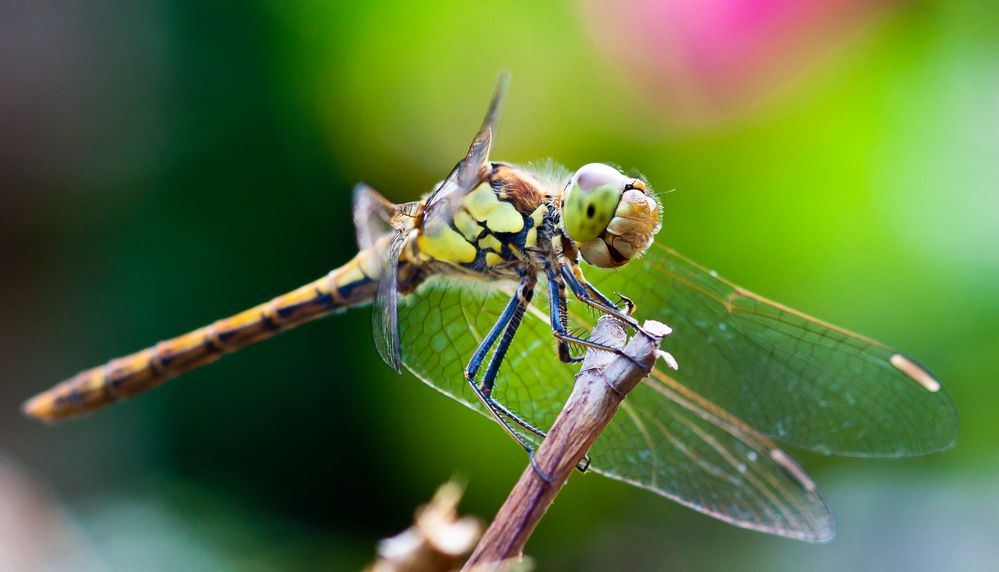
(514, 417)
(582, 466)
(501, 323)
(571, 338)
(496, 408)
(588, 293)
(564, 352)
(559, 315)
(512, 308)
(582, 289)
(499, 413)
(556, 310)
(629, 304)
(504, 330)
(508, 326)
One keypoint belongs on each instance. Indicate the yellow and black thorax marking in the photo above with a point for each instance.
(496, 224)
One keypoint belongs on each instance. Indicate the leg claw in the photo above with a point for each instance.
(628, 303)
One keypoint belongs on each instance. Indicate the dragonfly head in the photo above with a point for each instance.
(612, 217)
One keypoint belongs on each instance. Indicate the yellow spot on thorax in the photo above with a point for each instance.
(486, 207)
(531, 240)
(490, 242)
(538, 216)
(446, 245)
(467, 225)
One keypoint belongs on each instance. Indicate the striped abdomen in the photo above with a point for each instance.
(350, 285)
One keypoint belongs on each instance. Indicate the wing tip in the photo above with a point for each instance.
(793, 469)
(915, 371)
(819, 525)
(499, 95)
(823, 536)
(503, 79)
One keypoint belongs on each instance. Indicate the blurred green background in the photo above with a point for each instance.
(168, 162)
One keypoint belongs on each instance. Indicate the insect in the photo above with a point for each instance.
(470, 284)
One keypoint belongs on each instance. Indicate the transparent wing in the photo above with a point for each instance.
(372, 214)
(468, 173)
(710, 463)
(442, 324)
(384, 308)
(376, 224)
(785, 374)
(666, 442)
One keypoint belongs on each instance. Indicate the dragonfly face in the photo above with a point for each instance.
(612, 217)
(752, 371)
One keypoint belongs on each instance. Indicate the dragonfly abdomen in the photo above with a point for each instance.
(350, 285)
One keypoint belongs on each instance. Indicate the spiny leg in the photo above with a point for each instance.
(472, 369)
(504, 329)
(589, 294)
(581, 289)
(564, 353)
(578, 278)
(579, 284)
(487, 343)
(556, 308)
(519, 303)
(489, 379)
(559, 317)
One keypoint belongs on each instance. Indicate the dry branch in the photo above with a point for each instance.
(601, 384)
(438, 540)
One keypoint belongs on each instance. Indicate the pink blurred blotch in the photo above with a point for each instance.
(705, 60)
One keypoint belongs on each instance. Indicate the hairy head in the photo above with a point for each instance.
(612, 217)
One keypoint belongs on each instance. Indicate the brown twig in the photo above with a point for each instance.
(601, 384)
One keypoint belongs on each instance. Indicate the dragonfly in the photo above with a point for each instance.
(474, 289)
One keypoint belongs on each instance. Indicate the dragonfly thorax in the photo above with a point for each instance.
(495, 230)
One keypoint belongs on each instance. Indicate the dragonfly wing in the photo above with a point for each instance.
(372, 215)
(445, 320)
(786, 374)
(468, 173)
(679, 452)
(384, 309)
(380, 227)
(663, 441)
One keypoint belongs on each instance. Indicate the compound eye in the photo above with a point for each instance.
(596, 175)
(589, 202)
